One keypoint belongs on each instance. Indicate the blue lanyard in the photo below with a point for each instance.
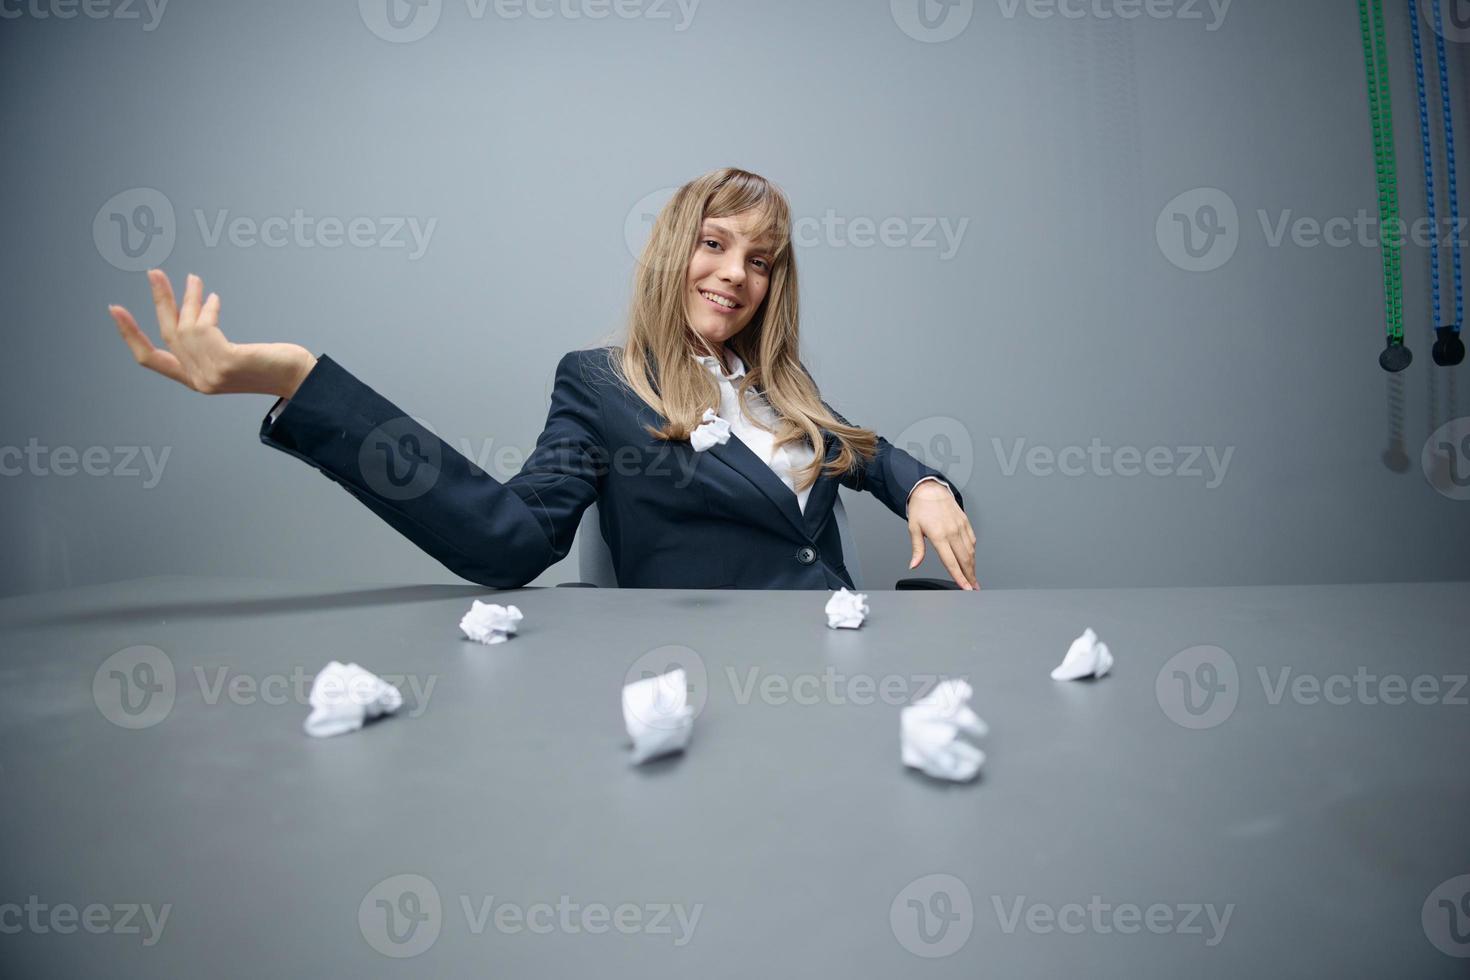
(1448, 349)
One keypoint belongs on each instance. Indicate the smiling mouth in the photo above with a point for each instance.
(718, 302)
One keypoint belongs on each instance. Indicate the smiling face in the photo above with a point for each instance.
(727, 279)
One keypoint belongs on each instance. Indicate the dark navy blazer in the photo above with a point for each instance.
(672, 517)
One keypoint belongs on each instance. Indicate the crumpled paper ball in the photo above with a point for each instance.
(929, 731)
(846, 610)
(1086, 657)
(487, 622)
(657, 714)
(344, 696)
(710, 431)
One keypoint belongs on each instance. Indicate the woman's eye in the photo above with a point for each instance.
(764, 265)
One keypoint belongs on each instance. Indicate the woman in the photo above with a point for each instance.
(695, 436)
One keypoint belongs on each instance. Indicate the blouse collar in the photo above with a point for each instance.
(717, 369)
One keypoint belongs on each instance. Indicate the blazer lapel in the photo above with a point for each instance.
(824, 491)
(743, 460)
(739, 457)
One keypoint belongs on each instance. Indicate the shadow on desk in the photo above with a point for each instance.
(122, 612)
(264, 605)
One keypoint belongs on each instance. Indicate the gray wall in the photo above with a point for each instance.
(1061, 316)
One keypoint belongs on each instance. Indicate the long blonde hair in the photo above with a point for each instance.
(656, 359)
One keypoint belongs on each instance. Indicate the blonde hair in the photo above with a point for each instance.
(658, 357)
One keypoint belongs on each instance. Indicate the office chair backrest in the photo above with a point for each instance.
(595, 559)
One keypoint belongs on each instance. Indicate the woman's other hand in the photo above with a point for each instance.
(199, 356)
(933, 514)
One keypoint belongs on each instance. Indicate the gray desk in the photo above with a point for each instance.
(791, 827)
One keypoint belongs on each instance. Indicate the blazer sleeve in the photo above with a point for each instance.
(891, 475)
(500, 535)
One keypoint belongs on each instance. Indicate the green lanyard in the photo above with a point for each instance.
(1395, 356)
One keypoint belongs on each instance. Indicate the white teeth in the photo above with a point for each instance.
(728, 304)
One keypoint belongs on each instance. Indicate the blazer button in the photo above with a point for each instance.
(807, 555)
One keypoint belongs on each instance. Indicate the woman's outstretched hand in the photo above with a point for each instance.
(200, 356)
(934, 514)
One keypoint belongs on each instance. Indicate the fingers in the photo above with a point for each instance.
(193, 293)
(209, 313)
(966, 554)
(947, 556)
(142, 348)
(954, 542)
(163, 301)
